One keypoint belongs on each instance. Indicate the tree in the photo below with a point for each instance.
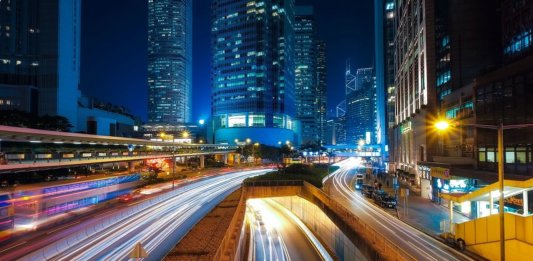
(23, 119)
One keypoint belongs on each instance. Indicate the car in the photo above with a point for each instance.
(367, 190)
(388, 201)
(360, 176)
(378, 194)
(130, 196)
(359, 184)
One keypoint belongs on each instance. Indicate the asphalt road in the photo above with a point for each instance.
(419, 245)
(158, 223)
(276, 235)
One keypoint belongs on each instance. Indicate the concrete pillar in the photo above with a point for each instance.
(186, 159)
(226, 158)
(491, 203)
(202, 161)
(525, 202)
(451, 217)
(131, 166)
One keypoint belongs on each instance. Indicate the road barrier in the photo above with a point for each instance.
(387, 249)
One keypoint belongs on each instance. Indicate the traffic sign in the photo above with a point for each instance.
(138, 252)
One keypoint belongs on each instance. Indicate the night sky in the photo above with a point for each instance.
(114, 49)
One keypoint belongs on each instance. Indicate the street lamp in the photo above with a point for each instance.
(242, 150)
(253, 150)
(444, 125)
(173, 168)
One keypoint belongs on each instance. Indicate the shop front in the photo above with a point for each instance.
(444, 183)
(426, 190)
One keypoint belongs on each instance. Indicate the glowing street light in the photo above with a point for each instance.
(443, 125)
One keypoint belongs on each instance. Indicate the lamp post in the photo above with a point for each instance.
(173, 169)
(253, 150)
(444, 125)
(242, 150)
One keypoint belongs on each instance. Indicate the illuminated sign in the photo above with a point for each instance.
(405, 127)
(442, 173)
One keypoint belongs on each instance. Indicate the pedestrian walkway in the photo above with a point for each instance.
(420, 212)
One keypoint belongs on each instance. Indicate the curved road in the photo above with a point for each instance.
(158, 223)
(278, 235)
(415, 242)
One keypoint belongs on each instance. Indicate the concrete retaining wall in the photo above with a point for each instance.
(365, 238)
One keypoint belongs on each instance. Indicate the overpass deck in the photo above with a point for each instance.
(23, 149)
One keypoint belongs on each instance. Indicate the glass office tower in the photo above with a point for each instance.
(306, 74)
(40, 55)
(361, 114)
(169, 61)
(253, 71)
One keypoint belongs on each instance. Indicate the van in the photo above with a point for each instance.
(359, 184)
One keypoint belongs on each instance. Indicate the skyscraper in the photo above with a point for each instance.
(169, 61)
(306, 81)
(321, 85)
(384, 62)
(453, 42)
(253, 71)
(361, 109)
(40, 50)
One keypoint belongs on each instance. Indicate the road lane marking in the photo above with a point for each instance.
(21, 243)
(420, 249)
(68, 225)
(409, 231)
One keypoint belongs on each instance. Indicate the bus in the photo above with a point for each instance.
(34, 206)
(7, 216)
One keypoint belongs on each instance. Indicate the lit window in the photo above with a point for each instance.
(256, 120)
(509, 155)
(236, 121)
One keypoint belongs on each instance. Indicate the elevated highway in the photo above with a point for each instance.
(23, 149)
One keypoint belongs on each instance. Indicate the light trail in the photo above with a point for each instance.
(157, 223)
(286, 236)
(416, 243)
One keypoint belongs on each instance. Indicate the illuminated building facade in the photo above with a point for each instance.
(253, 71)
(361, 117)
(385, 74)
(321, 85)
(305, 78)
(415, 88)
(169, 61)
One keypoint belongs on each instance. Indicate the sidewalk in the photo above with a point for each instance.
(421, 213)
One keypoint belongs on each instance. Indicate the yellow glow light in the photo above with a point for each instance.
(442, 125)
